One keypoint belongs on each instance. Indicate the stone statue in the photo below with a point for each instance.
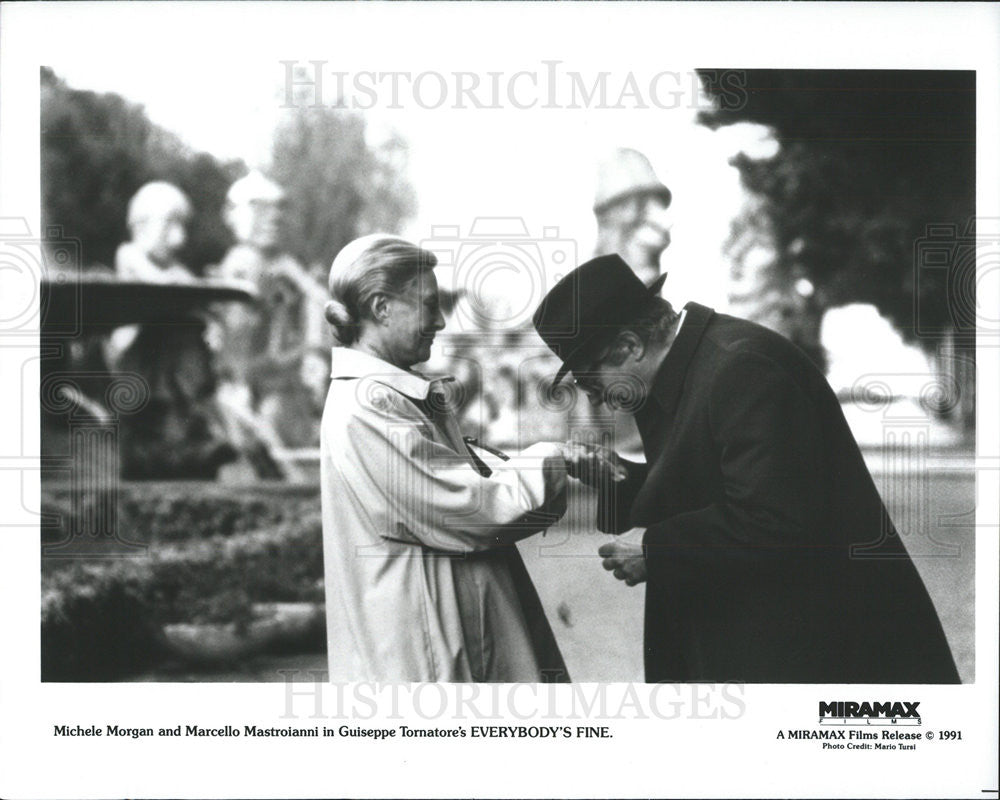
(179, 433)
(264, 352)
(630, 205)
(157, 218)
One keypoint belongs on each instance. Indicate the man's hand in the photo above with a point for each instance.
(592, 464)
(625, 560)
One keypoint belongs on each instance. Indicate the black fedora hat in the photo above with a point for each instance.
(588, 306)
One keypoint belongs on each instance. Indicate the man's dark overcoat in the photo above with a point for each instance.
(770, 556)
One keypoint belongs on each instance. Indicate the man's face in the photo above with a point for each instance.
(413, 320)
(609, 378)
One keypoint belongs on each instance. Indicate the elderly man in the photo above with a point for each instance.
(759, 512)
(632, 209)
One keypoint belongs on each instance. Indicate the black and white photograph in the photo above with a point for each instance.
(585, 378)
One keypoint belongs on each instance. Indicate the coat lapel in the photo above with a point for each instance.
(427, 394)
(655, 418)
(440, 414)
(669, 381)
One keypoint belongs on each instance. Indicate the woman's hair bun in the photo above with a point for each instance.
(344, 323)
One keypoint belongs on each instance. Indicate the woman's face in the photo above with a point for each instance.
(413, 318)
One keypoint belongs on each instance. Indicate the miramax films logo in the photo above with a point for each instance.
(850, 712)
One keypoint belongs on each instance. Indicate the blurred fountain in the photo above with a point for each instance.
(130, 349)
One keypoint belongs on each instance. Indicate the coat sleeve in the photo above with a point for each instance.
(429, 495)
(766, 436)
(614, 500)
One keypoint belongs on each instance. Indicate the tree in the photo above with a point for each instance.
(872, 167)
(98, 149)
(868, 161)
(339, 186)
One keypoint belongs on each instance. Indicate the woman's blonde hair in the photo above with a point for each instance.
(376, 264)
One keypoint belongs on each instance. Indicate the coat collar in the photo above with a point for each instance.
(346, 362)
(669, 380)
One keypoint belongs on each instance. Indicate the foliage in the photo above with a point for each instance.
(175, 512)
(97, 150)
(103, 619)
(284, 564)
(868, 160)
(339, 185)
(97, 623)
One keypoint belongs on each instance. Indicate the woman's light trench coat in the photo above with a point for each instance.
(423, 581)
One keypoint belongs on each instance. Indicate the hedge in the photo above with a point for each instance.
(103, 620)
(181, 511)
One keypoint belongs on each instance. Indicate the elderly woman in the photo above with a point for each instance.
(423, 581)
